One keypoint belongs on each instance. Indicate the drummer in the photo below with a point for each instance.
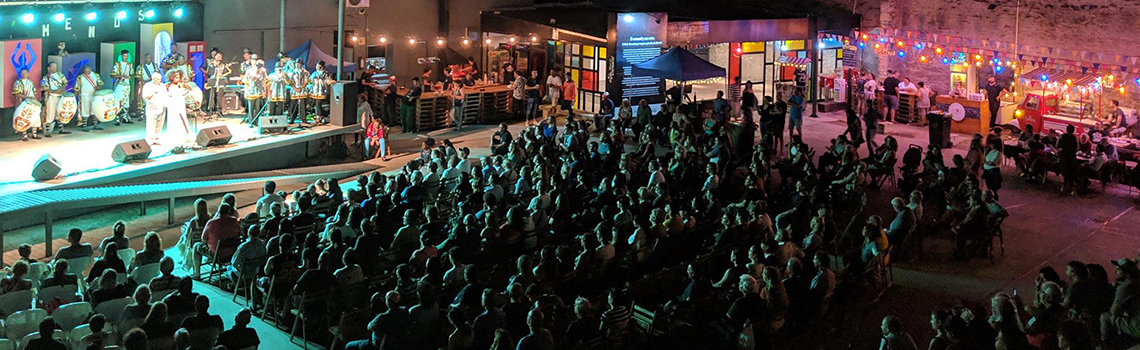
(85, 86)
(318, 90)
(25, 90)
(121, 73)
(53, 85)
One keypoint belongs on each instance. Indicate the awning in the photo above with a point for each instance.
(678, 64)
(1073, 78)
(793, 61)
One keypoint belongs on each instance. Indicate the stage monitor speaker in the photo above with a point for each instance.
(272, 124)
(342, 103)
(131, 151)
(214, 136)
(46, 168)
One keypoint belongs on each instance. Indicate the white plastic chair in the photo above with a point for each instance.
(79, 266)
(159, 295)
(37, 271)
(7, 344)
(111, 309)
(75, 337)
(204, 338)
(25, 322)
(72, 315)
(36, 335)
(127, 255)
(67, 293)
(12, 302)
(143, 274)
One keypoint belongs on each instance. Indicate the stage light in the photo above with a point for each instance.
(864, 36)
(1137, 81)
(1044, 77)
(877, 46)
(439, 42)
(149, 13)
(58, 17)
(820, 46)
(628, 18)
(900, 43)
(945, 60)
(487, 41)
(28, 18)
(918, 46)
(353, 38)
(122, 14)
(978, 57)
(178, 12)
(91, 16)
(466, 42)
(383, 40)
(512, 40)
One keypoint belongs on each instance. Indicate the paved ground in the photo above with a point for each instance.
(1044, 229)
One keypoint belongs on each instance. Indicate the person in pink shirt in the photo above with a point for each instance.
(222, 226)
(377, 137)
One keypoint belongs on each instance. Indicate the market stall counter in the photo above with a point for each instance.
(974, 117)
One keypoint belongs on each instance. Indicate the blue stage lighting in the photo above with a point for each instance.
(58, 17)
(178, 12)
(149, 13)
(122, 14)
(28, 18)
(91, 16)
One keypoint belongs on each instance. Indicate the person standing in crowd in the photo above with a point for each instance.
(721, 108)
(871, 126)
(53, 85)
(532, 98)
(121, 74)
(890, 96)
(408, 109)
(85, 86)
(457, 97)
(605, 114)
(796, 113)
(569, 94)
(554, 91)
(748, 103)
(870, 88)
(735, 95)
(1067, 152)
(518, 96)
(390, 112)
(994, 92)
(991, 165)
(925, 94)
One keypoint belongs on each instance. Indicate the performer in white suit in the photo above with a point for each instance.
(154, 93)
(85, 86)
(179, 131)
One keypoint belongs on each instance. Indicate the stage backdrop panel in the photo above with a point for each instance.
(155, 38)
(16, 54)
(109, 54)
(72, 65)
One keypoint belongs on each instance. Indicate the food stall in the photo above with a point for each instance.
(967, 115)
(1055, 99)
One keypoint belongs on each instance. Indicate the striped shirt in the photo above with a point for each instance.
(615, 324)
(734, 92)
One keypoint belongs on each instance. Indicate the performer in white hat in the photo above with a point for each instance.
(154, 93)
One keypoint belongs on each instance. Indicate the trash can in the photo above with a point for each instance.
(939, 128)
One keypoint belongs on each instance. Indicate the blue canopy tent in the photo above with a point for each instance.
(309, 54)
(679, 65)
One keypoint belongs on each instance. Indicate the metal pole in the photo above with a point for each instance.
(281, 29)
(339, 39)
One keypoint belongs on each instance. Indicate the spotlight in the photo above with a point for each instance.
(1137, 81)
(58, 17)
(122, 14)
(149, 13)
(877, 46)
(820, 45)
(353, 38)
(899, 43)
(533, 38)
(864, 36)
(512, 40)
(738, 50)
(383, 40)
(1044, 77)
(978, 57)
(28, 18)
(466, 42)
(628, 18)
(487, 41)
(178, 12)
(91, 16)
(439, 42)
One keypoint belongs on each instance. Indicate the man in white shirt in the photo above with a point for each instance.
(464, 165)
(554, 89)
(268, 198)
(154, 93)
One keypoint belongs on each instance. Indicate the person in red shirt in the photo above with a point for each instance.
(569, 92)
(224, 225)
(376, 137)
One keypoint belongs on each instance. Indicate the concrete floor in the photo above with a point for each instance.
(1044, 229)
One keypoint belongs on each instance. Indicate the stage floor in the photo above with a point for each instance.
(86, 156)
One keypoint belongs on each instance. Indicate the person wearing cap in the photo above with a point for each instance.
(1123, 317)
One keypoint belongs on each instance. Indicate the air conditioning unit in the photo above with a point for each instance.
(356, 3)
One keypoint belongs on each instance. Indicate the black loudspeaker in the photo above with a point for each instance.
(342, 103)
(131, 151)
(46, 168)
(272, 124)
(213, 136)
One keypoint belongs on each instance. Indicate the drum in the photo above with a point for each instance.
(27, 116)
(105, 106)
(68, 106)
(193, 97)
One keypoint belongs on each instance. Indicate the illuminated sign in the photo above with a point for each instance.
(640, 37)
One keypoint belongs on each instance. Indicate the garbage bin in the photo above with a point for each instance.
(939, 128)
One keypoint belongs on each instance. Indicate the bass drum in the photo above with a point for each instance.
(27, 116)
(193, 97)
(68, 106)
(105, 106)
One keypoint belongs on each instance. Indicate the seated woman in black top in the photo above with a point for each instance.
(109, 289)
(156, 326)
(202, 319)
(108, 261)
(59, 276)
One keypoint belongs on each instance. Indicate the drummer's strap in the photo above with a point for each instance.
(91, 81)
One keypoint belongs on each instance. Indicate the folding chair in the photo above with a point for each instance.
(7, 344)
(643, 319)
(36, 273)
(300, 315)
(221, 256)
(246, 277)
(127, 255)
(143, 274)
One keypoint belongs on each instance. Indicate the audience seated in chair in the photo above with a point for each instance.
(118, 235)
(253, 249)
(166, 280)
(240, 336)
(46, 341)
(224, 225)
(16, 281)
(137, 310)
(108, 261)
(60, 276)
(75, 248)
(202, 319)
(156, 325)
(151, 252)
(182, 301)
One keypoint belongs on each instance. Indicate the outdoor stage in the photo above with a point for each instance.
(85, 158)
